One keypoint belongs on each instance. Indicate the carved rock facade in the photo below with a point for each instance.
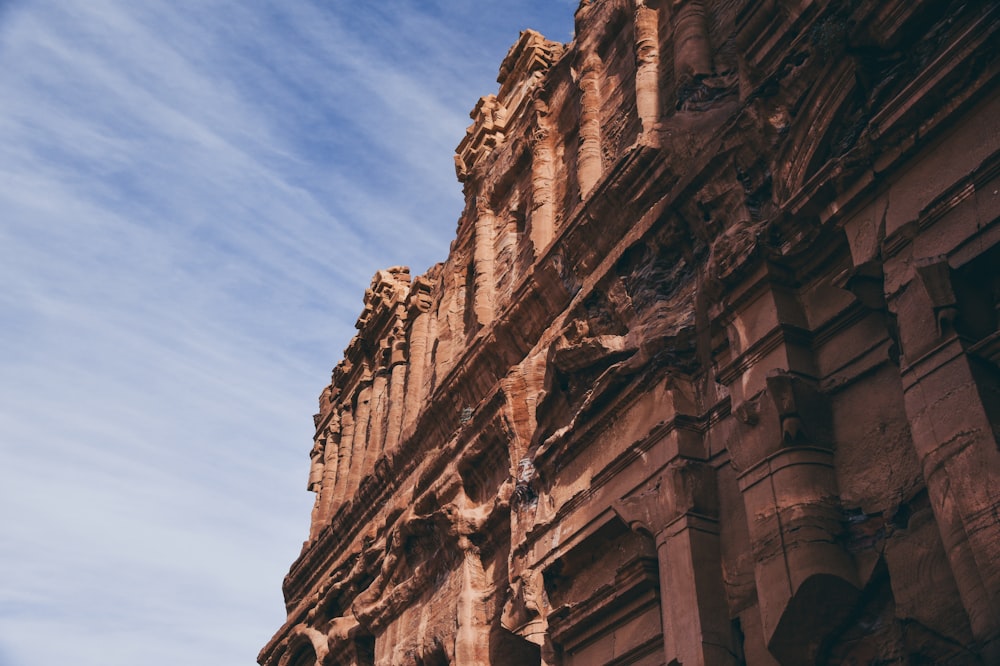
(711, 374)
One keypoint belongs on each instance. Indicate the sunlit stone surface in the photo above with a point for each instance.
(710, 373)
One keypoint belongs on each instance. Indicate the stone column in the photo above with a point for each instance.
(692, 48)
(331, 457)
(589, 165)
(432, 359)
(506, 264)
(647, 66)
(360, 447)
(483, 262)
(315, 484)
(341, 493)
(472, 635)
(790, 493)
(543, 175)
(379, 407)
(472, 645)
(397, 389)
(418, 312)
(955, 443)
(680, 510)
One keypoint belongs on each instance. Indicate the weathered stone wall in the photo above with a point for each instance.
(711, 374)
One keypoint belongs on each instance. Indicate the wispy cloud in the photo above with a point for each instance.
(193, 197)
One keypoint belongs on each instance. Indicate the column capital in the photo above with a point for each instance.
(683, 487)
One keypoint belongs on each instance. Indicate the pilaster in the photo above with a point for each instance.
(680, 510)
(953, 437)
(589, 165)
(543, 174)
(647, 67)
(483, 260)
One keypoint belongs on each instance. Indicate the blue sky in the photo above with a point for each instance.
(193, 197)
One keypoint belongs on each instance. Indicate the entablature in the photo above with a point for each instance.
(520, 74)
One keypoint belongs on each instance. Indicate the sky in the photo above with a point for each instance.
(193, 197)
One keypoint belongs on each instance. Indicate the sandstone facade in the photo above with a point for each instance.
(710, 374)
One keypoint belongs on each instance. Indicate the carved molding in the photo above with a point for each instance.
(684, 487)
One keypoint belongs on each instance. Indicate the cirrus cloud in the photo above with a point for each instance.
(194, 197)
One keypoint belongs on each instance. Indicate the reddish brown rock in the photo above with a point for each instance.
(711, 374)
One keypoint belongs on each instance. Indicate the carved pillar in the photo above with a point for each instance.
(680, 510)
(316, 466)
(397, 389)
(692, 48)
(472, 645)
(431, 356)
(418, 308)
(315, 484)
(647, 65)
(790, 493)
(472, 635)
(954, 440)
(360, 462)
(543, 176)
(483, 262)
(506, 267)
(331, 457)
(589, 162)
(379, 407)
(341, 493)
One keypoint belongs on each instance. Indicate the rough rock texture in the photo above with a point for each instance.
(710, 374)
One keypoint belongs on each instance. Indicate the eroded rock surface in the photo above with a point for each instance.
(711, 374)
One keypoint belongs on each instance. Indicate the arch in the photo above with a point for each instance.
(302, 654)
(306, 647)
